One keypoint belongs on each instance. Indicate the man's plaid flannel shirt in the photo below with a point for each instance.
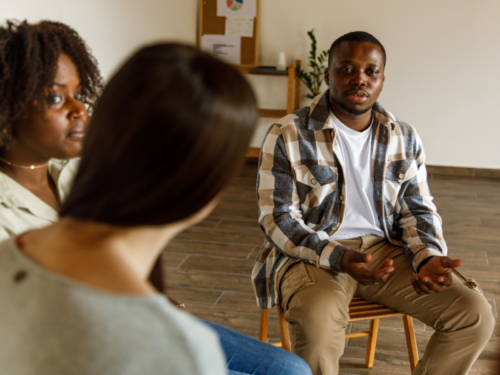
(301, 193)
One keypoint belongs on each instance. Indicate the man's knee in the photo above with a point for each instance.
(472, 310)
(483, 312)
(317, 304)
(316, 318)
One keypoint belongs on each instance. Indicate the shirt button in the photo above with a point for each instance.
(341, 197)
(401, 176)
(313, 181)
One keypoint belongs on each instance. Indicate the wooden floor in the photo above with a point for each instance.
(208, 267)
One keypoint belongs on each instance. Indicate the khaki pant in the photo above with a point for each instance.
(316, 308)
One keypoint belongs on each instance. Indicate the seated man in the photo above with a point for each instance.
(346, 211)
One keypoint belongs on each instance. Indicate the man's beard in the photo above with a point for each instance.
(354, 112)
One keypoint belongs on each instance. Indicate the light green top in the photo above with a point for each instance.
(21, 210)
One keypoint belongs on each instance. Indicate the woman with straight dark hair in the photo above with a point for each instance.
(169, 131)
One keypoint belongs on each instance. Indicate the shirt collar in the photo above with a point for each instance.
(320, 115)
(13, 194)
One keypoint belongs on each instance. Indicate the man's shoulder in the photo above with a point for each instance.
(400, 126)
(314, 116)
(297, 118)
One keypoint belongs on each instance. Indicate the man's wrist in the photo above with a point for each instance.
(422, 263)
(331, 257)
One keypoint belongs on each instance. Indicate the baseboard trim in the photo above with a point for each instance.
(253, 153)
(463, 171)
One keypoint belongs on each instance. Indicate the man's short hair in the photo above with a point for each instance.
(355, 36)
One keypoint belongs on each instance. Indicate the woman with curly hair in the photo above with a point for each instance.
(48, 82)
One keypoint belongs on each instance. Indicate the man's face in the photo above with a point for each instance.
(355, 77)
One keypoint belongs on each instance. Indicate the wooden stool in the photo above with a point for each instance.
(358, 310)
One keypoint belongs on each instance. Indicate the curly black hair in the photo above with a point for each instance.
(28, 64)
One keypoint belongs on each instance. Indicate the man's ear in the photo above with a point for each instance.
(327, 76)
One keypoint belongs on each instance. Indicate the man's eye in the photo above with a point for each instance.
(372, 72)
(345, 69)
(54, 99)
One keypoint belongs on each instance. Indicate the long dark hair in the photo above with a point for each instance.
(168, 132)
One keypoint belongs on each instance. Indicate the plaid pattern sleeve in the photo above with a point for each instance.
(410, 215)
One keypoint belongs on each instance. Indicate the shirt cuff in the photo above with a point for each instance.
(331, 257)
(423, 255)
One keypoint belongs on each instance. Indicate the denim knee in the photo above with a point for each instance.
(300, 367)
(291, 364)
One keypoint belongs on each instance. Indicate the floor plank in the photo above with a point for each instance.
(210, 248)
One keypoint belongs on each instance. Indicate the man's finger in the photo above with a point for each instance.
(444, 280)
(377, 277)
(424, 287)
(383, 279)
(435, 287)
(416, 287)
(387, 263)
(450, 263)
(359, 257)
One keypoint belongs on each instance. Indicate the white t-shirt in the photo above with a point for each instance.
(360, 216)
(50, 324)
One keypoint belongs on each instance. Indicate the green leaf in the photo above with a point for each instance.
(317, 65)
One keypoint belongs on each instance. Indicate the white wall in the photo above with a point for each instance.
(441, 77)
(113, 28)
(442, 70)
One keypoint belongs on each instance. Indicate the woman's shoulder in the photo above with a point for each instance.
(167, 336)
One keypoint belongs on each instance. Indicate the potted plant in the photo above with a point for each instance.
(314, 78)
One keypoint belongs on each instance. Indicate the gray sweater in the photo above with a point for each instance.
(50, 324)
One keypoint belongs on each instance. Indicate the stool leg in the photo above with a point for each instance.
(411, 341)
(264, 319)
(372, 343)
(284, 333)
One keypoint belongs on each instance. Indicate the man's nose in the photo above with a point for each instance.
(358, 79)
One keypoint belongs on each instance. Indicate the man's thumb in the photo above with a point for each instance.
(451, 263)
(359, 257)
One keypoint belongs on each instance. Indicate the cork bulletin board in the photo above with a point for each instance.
(210, 23)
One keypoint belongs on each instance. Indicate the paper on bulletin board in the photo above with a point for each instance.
(237, 8)
(226, 47)
(239, 26)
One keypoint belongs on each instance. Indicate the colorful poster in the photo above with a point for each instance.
(237, 8)
(226, 47)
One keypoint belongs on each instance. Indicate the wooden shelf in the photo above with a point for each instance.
(253, 153)
(293, 92)
(274, 113)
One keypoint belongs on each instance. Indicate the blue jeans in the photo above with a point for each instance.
(246, 355)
